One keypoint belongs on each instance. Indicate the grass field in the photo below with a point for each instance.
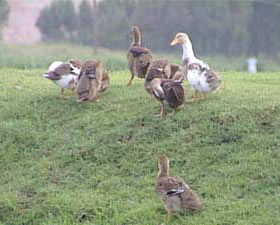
(67, 163)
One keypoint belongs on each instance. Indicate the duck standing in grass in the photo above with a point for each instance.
(202, 79)
(138, 57)
(174, 192)
(65, 75)
(92, 80)
(158, 84)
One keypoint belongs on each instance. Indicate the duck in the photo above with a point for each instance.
(90, 81)
(64, 74)
(167, 91)
(196, 71)
(138, 57)
(175, 193)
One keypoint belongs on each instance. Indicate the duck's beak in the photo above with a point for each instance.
(46, 75)
(174, 42)
(50, 76)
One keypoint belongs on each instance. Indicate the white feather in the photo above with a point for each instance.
(75, 69)
(67, 81)
(54, 65)
(198, 81)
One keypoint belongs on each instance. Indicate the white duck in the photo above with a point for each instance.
(202, 79)
(65, 75)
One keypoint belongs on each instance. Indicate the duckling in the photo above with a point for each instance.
(139, 58)
(201, 85)
(64, 75)
(157, 83)
(90, 81)
(174, 192)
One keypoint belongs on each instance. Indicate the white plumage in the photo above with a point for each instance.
(198, 73)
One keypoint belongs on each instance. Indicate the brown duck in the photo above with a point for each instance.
(174, 191)
(90, 81)
(158, 84)
(139, 58)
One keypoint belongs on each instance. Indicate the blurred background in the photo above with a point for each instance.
(224, 32)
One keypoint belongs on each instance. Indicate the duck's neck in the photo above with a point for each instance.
(163, 170)
(188, 53)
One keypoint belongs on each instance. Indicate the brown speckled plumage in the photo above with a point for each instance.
(159, 68)
(176, 72)
(174, 192)
(139, 58)
(158, 83)
(90, 81)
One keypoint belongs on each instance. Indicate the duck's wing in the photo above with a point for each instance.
(210, 76)
(156, 89)
(174, 92)
(83, 88)
(174, 192)
(63, 69)
(212, 79)
(175, 187)
(190, 200)
(171, 186)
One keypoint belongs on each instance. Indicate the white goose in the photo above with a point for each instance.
(202, 79)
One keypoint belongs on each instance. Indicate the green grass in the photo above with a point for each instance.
(67, 163)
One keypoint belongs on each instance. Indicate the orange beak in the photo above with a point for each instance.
(174, 42)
